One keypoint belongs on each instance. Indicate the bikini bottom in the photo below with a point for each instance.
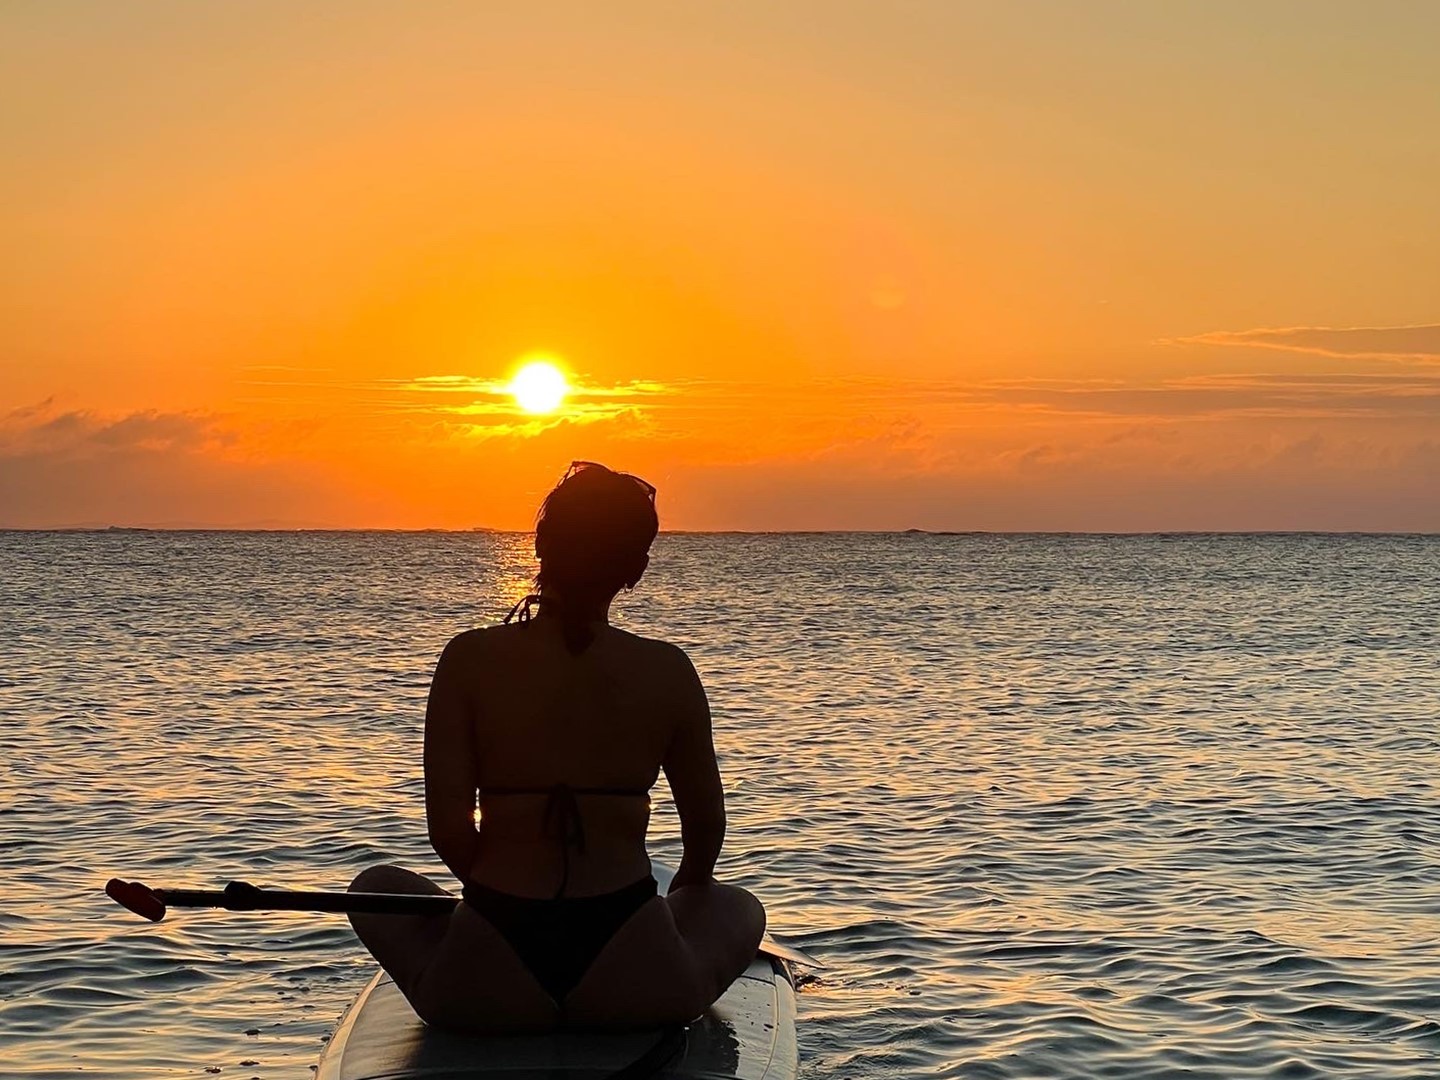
(559, 939)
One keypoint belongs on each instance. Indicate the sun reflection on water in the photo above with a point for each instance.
(1044, 806)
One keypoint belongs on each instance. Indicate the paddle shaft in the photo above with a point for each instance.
(242, 896)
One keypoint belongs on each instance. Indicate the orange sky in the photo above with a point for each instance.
(1009, 265)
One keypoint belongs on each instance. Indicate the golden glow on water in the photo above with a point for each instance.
(1033, 800)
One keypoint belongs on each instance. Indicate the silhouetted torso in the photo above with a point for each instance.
(542, 716)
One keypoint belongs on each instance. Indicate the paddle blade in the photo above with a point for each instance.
(770, 947)
(140, 899)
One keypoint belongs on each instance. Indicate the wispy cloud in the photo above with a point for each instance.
(465, 405)
(44, 429)
(1151, 479)
(79, 467)
(492, 412)
(1414, 344)
(1258, 395)
(485, 420)
(813, 411)
(466, 384)
(944, 403)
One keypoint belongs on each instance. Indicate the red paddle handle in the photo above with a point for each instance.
(141, 899)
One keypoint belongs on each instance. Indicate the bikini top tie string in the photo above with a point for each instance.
(524, 606)
(562, 821)
(564, 824)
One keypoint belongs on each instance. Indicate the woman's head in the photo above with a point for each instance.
(593, 535)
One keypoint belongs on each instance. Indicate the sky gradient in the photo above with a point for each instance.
(1012, 265)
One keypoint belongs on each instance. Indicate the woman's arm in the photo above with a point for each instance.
(694, 777)
(450, 776)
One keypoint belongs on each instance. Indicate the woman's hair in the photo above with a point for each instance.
(593, 537)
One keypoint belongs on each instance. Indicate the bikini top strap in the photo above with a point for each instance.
(563, 821)
(643, 793)
(524, 606)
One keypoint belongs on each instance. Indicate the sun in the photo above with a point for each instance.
(538, 387)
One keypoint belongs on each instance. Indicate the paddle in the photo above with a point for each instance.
(242, 896)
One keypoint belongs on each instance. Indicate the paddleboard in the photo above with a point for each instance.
(749, 1034)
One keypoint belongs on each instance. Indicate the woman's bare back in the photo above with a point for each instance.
(539, 716)
(511, 707)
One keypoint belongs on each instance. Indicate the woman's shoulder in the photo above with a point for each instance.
(497, 644)
(469, 645)
(656, 653)
(639, 642)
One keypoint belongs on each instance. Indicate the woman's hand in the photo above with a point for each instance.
(687, 877)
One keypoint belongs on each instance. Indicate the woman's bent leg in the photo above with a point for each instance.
(457, 971)
(402, 944)
(671, 961)
(723, 925)
(475, 982)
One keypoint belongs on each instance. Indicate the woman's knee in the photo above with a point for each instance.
(385, 878)
(743, 914)
(727, 905)
(751, 913)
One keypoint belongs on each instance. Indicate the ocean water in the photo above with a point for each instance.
(1046, 806)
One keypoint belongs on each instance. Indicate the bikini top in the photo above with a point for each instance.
(563, 821)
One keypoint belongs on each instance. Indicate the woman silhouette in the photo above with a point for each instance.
(560, 724)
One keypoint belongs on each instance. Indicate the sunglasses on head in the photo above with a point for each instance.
(581, 466)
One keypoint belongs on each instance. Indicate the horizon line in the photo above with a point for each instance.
(912, 531)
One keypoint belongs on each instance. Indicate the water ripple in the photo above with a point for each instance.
(1082, 807)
